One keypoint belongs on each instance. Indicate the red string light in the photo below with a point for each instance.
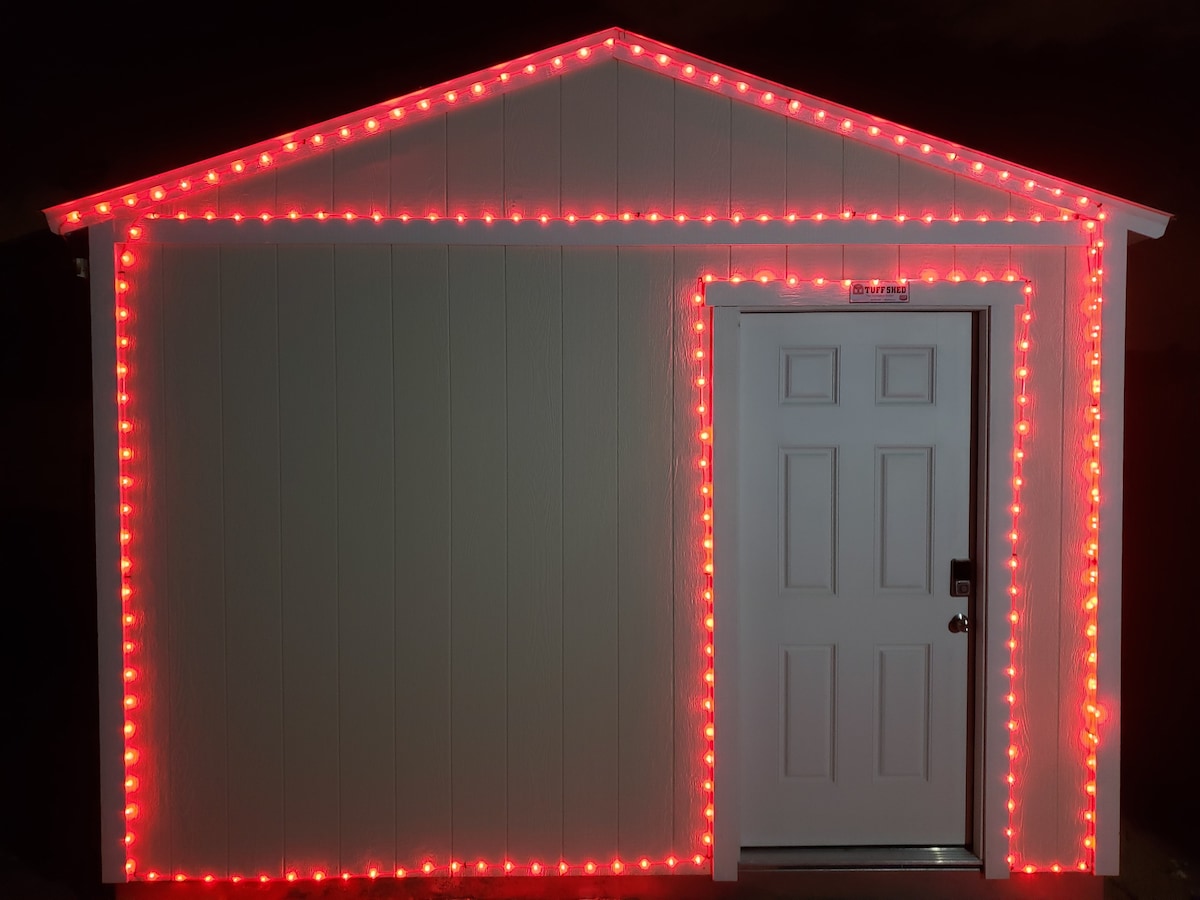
(791, 104)
(1093, 713)
(701, 326)
(1016, 592)
(702, 329)
(399, 112)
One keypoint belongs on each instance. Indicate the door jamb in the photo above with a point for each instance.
(997, 305)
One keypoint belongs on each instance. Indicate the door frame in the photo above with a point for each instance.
(995, 306)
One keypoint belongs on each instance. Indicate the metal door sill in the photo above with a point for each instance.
(780, 859)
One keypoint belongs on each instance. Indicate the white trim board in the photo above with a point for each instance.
(612, 232)
(996, 302)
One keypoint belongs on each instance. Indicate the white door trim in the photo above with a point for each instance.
(997, 304)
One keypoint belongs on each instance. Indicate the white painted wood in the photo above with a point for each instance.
(1112, 450)
(192, 481)
(108, 556)
(362, 177)
(251, 531)
(475, 159)
(926, 262)
(533, 135)
(639, 232)
(808, 540)
(645, 776)
(990, 263)
(478, 456)
(758, 168)
(870, 179)
(308, 495)
(366, 556)
(421, 352)
(702, 152)
(876, 456)
(758, 185)
(645, 142)
(809, 262)
(864, 261)
(589, 140)
(533, 289)
(974, 198)
(148, 520)
(305, 186)
(814, 171)
(1039, 817)
(250, 193)
(418, 174)
(924, 190)
(808, 679)
(589, 544)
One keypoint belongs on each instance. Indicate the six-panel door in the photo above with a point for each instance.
(854, 495)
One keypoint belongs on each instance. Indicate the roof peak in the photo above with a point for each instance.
(141, 197)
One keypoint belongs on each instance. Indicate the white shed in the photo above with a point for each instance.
(607, 462)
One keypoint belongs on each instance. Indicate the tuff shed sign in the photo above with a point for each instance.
(878, 292)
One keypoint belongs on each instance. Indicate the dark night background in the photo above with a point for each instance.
(1098, 92)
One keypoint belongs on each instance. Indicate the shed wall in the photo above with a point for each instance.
(421, 556)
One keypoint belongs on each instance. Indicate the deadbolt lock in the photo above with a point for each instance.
(961, 576)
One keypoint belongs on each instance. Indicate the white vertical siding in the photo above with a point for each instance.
(249, 431)
(308, 511)
(479, 602)
(590, 103)
(591, 650)
(533, 150)
(534, 627)
(193, 512)
(365, 548)
(425, 556)
(645, 548)
(421, 352)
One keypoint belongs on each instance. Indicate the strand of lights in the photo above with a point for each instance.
(431, 868)
(627, 216)
(132, 621)
(1093, 713)
(702, 328)
(1021, 431)
(367, 123)
(745, 88)
(831, 117)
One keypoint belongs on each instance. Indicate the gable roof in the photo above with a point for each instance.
(144, 195)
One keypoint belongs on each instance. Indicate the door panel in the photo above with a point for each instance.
(854, 495)
(808, 530)
(808, 684)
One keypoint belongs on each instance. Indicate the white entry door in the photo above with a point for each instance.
(854, 496)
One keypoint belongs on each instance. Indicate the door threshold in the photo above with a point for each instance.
(776, 859)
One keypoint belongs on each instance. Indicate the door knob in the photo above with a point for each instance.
(959, 623)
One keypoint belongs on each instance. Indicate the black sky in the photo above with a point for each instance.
(1098, 92)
